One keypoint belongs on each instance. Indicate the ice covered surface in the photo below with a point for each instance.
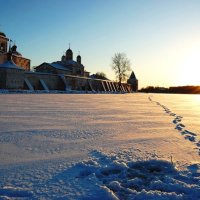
(99, 146)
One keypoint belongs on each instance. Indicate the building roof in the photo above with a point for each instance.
(71, 62)
(2, 34)
(132, 76)
(10, 65)
(57, 65)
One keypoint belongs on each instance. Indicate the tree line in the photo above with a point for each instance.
(173, 90)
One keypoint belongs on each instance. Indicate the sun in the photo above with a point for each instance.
(189, 70)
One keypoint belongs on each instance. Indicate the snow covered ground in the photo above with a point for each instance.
(99, 146)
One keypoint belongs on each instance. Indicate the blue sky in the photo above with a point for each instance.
(160, 37)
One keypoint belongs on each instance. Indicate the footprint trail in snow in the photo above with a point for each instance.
(188, 135)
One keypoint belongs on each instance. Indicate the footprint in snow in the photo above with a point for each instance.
(190, 138)
(188, 135)
(188, 132)
(180, 127)
(177, 119)
(198, 143)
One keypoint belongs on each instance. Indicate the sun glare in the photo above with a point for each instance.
(189, 71)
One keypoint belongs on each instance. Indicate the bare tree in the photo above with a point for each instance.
(121, 66)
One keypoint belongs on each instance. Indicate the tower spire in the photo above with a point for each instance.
(69, 54)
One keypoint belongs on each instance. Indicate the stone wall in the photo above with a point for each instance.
(2, 78)
(52, 81)
(11, 78)
(44, 81)
(15, 79)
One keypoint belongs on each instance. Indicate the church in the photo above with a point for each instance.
(6, 47)
(66, 66)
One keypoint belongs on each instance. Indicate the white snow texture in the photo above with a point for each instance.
(99, 146)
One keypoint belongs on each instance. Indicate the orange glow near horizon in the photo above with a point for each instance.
(189, 73)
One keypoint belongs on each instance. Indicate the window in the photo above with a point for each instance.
(1, 47)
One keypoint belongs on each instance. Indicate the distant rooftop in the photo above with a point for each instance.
(2, 34)
(10, 65)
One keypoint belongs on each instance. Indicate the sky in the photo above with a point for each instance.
(161, 38)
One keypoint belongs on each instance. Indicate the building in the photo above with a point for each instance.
(6, 48)
(133, 81)
(11, 75)
(66, 74)
(66, 66)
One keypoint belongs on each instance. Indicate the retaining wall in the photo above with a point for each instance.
(46, 81)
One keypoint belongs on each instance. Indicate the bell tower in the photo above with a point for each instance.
(3, 43)
(3, 47)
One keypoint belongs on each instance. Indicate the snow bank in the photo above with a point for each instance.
(151, 179)
(109, 176)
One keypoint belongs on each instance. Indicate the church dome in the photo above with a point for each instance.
(2, 34)
(17, 54)
(14, 48)
(14, 51)
(69, 51)
(78, 59)
(63, 58)
(69, 54)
